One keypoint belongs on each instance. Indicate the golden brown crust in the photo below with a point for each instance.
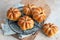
(38, 14)
(50, 29)
(26, 23)
(27, 9)
(13, 14)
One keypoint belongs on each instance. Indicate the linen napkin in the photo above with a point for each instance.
(7, 31)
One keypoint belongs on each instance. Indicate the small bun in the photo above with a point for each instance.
(26, 22)
(38, 14)
(50, 29)
(27, 9)
(13, 14)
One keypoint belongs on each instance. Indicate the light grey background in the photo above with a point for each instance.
(53, 18)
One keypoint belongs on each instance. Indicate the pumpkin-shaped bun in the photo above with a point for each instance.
(13, 14)
(25, 23)
(27, 9)
(50, 29)
(38, 14)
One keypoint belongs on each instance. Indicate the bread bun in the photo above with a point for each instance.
(50, 29)
(38, 14)
(13, 14)
(28, 8)
(26, 22)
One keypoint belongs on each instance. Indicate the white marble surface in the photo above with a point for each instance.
(54, 18)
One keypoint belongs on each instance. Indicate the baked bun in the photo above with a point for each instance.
(25, 23)
(50, 29)
(13, 14)
(38, 14)
(27, 9)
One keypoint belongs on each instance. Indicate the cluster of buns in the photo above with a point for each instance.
(50, 29)
(26, 22)
(36, 12)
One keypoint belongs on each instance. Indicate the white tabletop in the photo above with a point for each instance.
(54, 17)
